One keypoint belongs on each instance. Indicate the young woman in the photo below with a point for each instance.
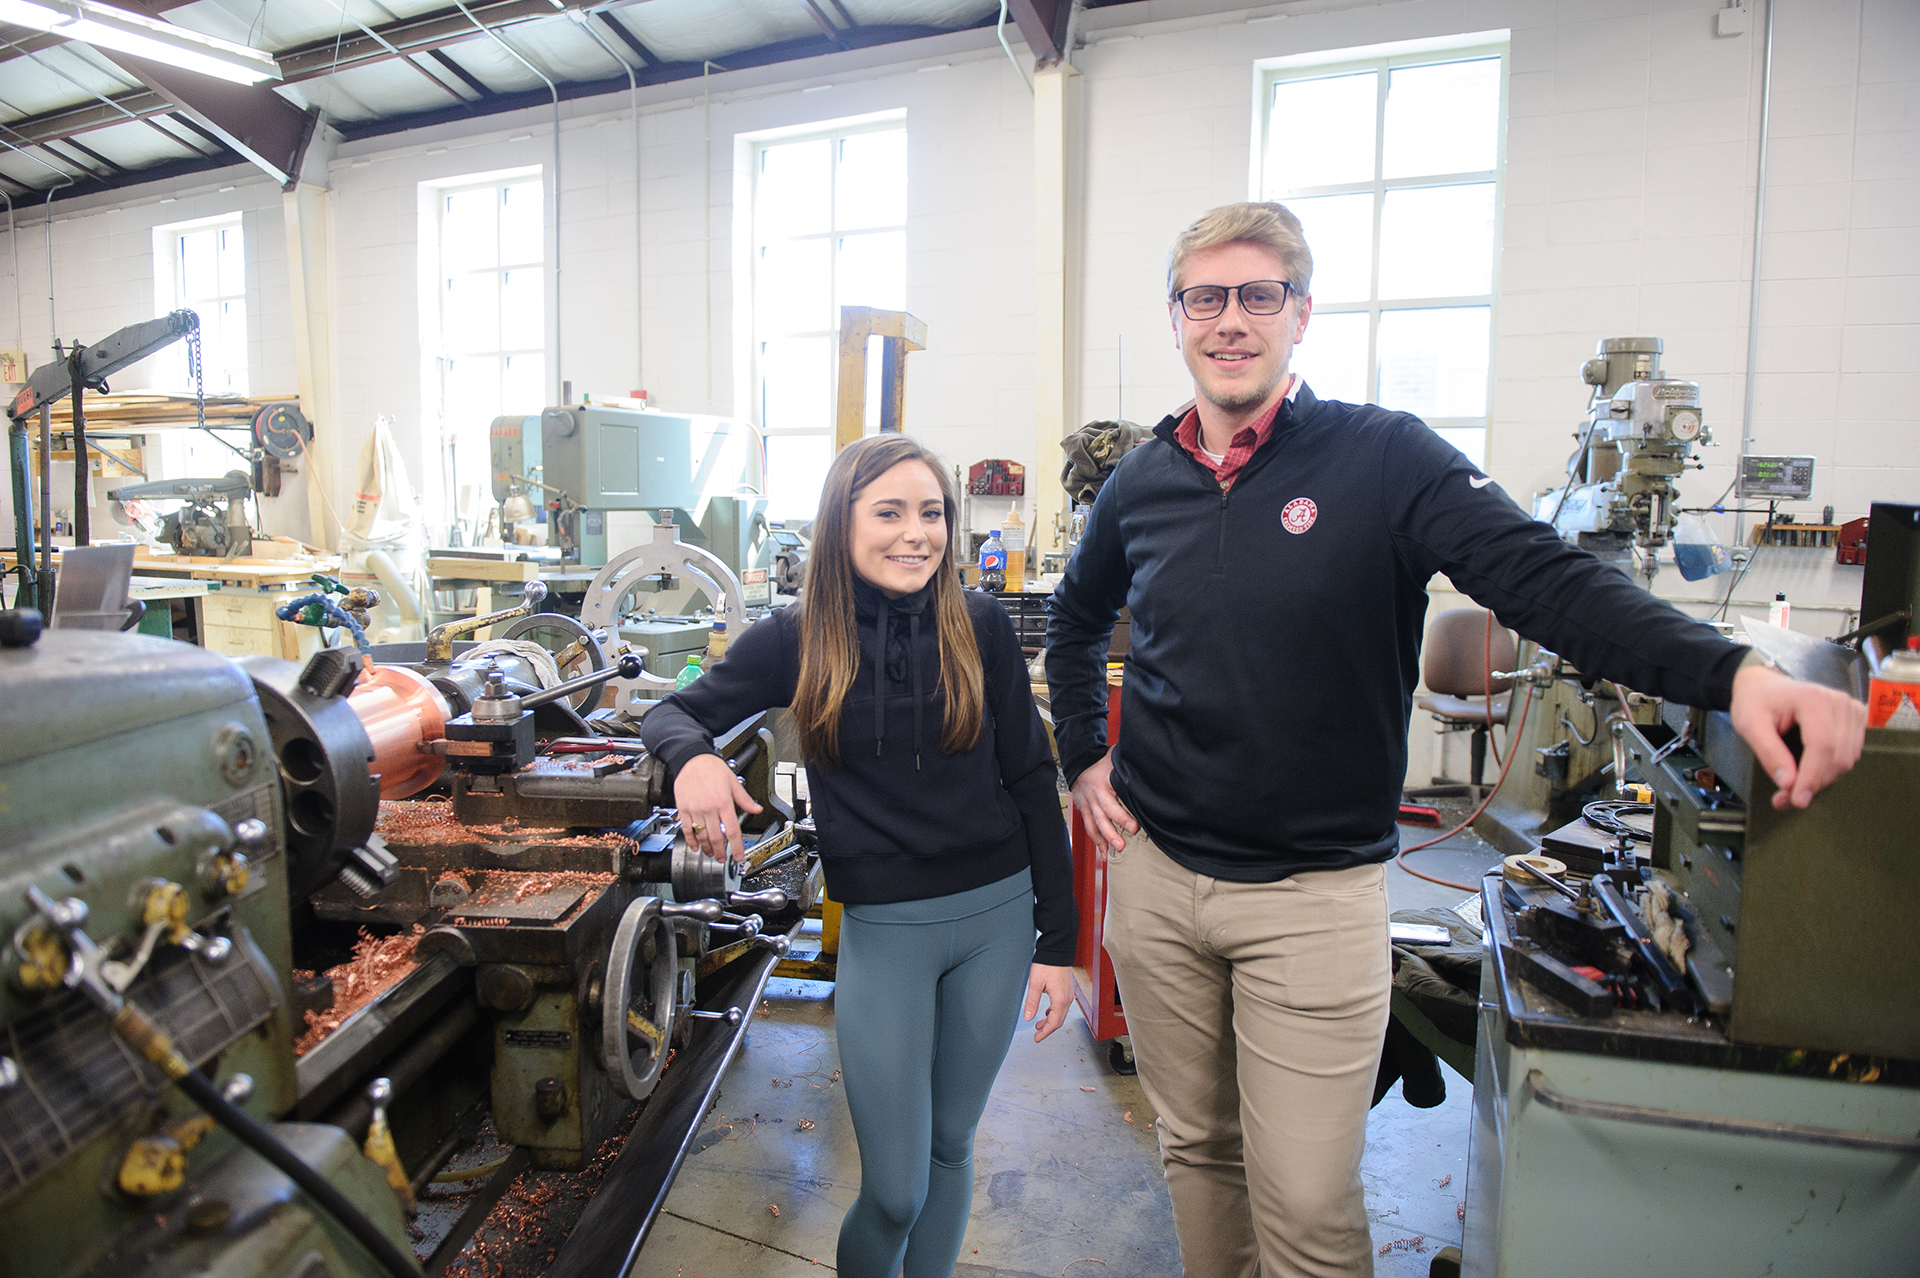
(940, 832)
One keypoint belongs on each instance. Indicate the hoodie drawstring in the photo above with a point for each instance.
(880, 681)
(913, 681)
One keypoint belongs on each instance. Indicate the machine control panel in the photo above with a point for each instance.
(1775, 478)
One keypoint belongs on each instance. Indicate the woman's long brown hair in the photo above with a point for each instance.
(829, 640)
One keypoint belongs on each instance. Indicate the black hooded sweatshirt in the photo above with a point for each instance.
(900, 819)
(1276, 631)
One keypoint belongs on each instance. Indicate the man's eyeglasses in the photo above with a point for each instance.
(1257, 297)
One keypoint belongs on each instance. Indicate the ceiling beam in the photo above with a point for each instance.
(659, 73)
(466, 77)
(1043, 25)
(68, 121)
(259, 124)
(632, 41)
(826, 28)
(429, 31)
(88, 151)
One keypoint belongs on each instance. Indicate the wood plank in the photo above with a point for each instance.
(447, 569)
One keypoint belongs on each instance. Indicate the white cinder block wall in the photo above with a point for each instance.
(1631, 155)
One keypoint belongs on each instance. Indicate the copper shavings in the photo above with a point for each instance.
(378, 964)
(521, 1224)
(417, 823)
(1416, 1243)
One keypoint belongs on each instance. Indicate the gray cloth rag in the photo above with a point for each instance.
(1092, 453)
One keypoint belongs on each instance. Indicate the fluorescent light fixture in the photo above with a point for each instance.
(110, 28)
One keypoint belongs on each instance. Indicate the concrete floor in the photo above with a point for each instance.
(1067, 1176)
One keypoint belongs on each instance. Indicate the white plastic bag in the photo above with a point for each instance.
(1697, 550)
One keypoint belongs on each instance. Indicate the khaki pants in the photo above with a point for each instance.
(1257, 1011)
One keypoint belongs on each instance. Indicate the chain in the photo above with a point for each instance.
(196, 368)
(193, 367)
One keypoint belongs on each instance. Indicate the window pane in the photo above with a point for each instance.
(796, 383)
(1443, 119)
(225, 355)
(472, 397)
(871, 189)
(873, 269)
(1471, 440)
(1321, 132)
(233, 267)
(794, 192)
(521, 220)
(1339, 231)
(468, 238)
(199, 265)
(1434, 362)
(796, 468)
(522, 312)
(1333, 358)
(471, 318)
(523, 386)
(1437, 241)
(795, 287)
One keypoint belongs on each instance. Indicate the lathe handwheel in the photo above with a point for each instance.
(636, 1021)
(556, 632)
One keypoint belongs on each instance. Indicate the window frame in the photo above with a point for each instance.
(754, 148)
(170, 294)
(1382, 60)
(437, 355)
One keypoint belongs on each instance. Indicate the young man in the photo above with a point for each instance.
(1274, 549)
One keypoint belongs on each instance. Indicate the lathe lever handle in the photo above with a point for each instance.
(628, 667)
(770, 899)
(708, 911)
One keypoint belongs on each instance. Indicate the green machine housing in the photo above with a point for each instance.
(603, 460)
(129, 761)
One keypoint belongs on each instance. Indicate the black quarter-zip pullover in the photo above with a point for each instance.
(1275, 640)
(900, 819)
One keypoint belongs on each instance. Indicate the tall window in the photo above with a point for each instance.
(1393, 166)
(829, 230)
(206, 272)
(492, 323)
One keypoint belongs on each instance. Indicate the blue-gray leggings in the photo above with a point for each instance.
(927, 1000)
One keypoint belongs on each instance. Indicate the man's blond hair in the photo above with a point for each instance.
(1268, 225)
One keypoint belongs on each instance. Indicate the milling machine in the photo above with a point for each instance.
(1619, 500)
(184, 840)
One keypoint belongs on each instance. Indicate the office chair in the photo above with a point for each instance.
(1455, 667)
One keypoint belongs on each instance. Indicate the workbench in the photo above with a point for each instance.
(237, 599)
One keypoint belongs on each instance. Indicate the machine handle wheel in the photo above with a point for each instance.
(637, 1004)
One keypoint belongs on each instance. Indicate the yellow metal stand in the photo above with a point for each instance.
(902, 333)
(816, 965)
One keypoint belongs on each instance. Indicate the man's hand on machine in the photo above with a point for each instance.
(1057, 984)
(710, 798)
(1101, 808)
(1833, 728)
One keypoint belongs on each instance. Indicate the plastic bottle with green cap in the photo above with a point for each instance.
(688, 675)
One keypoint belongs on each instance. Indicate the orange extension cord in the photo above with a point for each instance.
(1513, 729)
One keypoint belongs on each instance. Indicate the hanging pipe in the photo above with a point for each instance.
(1753, 299)
(633, 98)
(500, 40)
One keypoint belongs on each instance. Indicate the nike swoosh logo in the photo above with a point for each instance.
(1481, 482)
